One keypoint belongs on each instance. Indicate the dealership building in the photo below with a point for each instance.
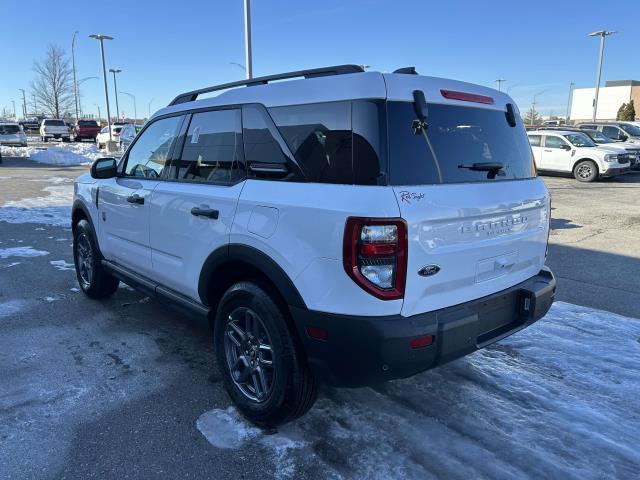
(610, 98)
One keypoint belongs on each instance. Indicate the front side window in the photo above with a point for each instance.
(148, 156)
(631, 129)
(534, 140)
(212, 150)
(554, 142)
(611, 132)
(456, 140)
(319, 136)
(580, 140)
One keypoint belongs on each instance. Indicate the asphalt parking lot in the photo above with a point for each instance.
(125, 388)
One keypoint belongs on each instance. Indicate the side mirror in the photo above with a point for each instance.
(565, 147)
(103, 168)
(622, 137)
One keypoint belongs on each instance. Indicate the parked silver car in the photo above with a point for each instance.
(11, 134)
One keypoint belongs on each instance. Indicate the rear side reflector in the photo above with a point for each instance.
(317, 333)
(467, 97)
(421, 342)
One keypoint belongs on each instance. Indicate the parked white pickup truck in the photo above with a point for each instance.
(54, 128)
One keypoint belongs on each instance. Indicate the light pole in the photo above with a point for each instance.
(73, 60)
(102, 38)
(533, 104)
(99, 114)
(135, 109)
(15, 115)
(35, 104)
(149, 106)
(24, 103)
(601, 34)
(499, 83)
(80, 82)
(569, 102)
(247, 38)
(115, 89)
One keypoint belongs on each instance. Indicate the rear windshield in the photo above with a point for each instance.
(55, 123)
(9, 129)
(456, 139)
(117, 129)
(88, 123)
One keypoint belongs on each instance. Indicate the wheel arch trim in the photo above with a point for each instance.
(254, 258)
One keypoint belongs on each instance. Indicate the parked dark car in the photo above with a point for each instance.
(30, 125)
(85, 130)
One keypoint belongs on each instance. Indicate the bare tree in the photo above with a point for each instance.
(53, 85)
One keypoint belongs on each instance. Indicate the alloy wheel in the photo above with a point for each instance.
(249, 354)
(84, 259)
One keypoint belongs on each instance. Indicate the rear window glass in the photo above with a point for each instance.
(9, 129)
(88, 123)
(55, 123)
(117, 130)
(455, 139)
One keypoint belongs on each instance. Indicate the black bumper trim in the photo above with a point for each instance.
(362, 351)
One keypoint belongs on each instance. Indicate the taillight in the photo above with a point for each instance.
(375, 255)
(467, 97)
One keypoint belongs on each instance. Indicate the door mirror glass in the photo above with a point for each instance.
(104, 168)
(564, 146)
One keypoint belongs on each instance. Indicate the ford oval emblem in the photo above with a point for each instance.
(428, 270)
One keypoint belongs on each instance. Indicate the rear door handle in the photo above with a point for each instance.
(135, 198)
(205, 212)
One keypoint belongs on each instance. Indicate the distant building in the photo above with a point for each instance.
(610, 98)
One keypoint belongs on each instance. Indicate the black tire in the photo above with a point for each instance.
(93, 279)
(585, 171)
(293, 388)
(45, 139)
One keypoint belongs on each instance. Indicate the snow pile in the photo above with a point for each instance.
(53, 209)
(23, 252)
(64, 154)
(557, 400)
(11, 307)
(62, 265)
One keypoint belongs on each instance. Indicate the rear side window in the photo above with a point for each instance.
(212, 150)
(456, 138)
(319, 136)
(534, 140)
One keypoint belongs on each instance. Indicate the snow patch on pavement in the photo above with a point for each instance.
(24, 252)
(62, 265)
(52, 209)
(11, 307)
(71, 154)
(556, 400)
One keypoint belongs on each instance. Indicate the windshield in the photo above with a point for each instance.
(596, 136)
(455, 136)
(579, 140)
(630, 129)
(9, 129)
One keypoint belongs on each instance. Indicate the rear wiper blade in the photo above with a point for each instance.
(494, 168)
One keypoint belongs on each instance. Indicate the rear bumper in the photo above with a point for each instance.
(361, 351)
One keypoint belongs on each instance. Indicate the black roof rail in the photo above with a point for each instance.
(406, 70)
(310, 73)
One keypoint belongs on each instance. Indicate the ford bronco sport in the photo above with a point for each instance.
(344, 226)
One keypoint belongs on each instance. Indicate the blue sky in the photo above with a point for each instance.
(165, 47)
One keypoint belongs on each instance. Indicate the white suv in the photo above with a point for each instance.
(574, 152)
(347, 227)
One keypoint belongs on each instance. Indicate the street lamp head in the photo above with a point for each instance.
(602, 33)
(101, 37)
(115, 70)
